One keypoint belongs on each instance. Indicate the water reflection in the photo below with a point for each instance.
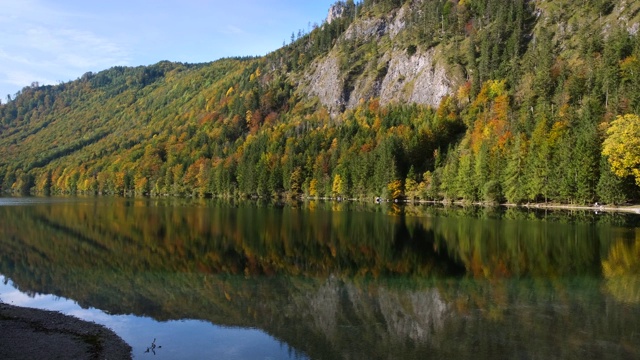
(344, 280)
(621, 268)
(178, 339)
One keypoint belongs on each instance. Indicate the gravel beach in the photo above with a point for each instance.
(39, 334)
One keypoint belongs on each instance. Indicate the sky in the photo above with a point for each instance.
(54, 41)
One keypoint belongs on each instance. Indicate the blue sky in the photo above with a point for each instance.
(52, 41)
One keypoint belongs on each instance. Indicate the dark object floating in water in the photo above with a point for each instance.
(153, 347)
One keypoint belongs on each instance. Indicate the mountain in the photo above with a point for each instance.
(487, 100)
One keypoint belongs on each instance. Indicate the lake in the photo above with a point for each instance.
(324, 280)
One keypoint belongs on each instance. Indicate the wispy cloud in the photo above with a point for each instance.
(20, 78)
(233, 30)
(37, 42)
(44, 40)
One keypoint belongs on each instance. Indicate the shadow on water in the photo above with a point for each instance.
(345, 280)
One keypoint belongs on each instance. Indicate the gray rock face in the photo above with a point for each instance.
(325, 83)
(397, 23)
(335, 11)
(393, 76)
(414, 79)
(366, 30)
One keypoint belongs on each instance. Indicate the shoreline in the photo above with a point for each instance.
(632, 209)
(28, 333)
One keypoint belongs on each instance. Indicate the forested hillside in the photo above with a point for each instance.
(541, 103)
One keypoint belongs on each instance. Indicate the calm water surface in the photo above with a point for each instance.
(213, 279)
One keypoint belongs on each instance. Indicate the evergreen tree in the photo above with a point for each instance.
(611, 189)
(538, 162)
(514, 175)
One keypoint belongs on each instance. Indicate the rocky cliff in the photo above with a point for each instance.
(335, 11)
(368, 62)
(259, 126)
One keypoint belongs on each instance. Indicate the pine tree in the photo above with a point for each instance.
(538, 162)
(514, 179)
(449, 185)
(466, 186)
(587, 164)
(610, 188)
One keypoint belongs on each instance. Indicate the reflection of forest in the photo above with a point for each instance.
(343, 281)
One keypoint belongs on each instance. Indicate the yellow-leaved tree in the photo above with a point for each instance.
(338, 184)
(395, 189)
(622, 146)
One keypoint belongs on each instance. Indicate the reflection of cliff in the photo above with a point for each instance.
(212, 263)
(297, 274)
(387, 319)
(363, 320)
(340, 311)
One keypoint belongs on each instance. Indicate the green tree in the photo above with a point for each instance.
(449, 183)
(514, 182)
(538, 161)
(586, 161)
(466, 185)
(411, 186)
(610, 188)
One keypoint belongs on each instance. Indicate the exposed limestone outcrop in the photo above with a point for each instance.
(414, 79)
(335, 11)
(366, 30)
(394, 75)
(325, 82)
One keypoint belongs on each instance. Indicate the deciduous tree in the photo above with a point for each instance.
(622, 146)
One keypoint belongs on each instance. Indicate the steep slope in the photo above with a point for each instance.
(371, 61)
(488, 100)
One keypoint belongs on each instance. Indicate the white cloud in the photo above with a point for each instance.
(22, 78)
(234, 30)
(40, 43)
(59, 40)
